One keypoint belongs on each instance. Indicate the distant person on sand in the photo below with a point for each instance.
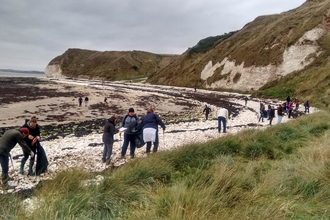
(306, 105)
(263, 112)
(150, 124)
(32, 140)
(222, 118)
(207, 111)
(280, 113)
(108, 131)
(290, 109)
(271, 115)
(246, 99)
(130, 122)
(106, 100)
(297, 102)
(7, 142)
(86, 101)
(80, 101)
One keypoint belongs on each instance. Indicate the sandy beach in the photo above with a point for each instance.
(55, 102)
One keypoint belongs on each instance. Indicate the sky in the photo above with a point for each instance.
(34, 32)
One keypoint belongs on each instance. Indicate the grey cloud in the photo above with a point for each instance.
(33, 32)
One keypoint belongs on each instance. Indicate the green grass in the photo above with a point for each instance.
(282, 172)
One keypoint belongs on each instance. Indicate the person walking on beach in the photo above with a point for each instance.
(246, 99)
(297, 102)
(290, 109)
(80, 101)
(109, 131)
(306, 105)
(280, 113)
(130, 122)
(207, 111)
(105, 100)
(86, 101)
(7, 142)
(32, 140)
(262, 112)
(150, 124)
(271, 115)
(222, 118)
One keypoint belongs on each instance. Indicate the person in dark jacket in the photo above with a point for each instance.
(107, 138)
(7, 142)
(129, 122)
(271, 115)
(150, 124)
(32, 140)
(207, 111)
(306, 105)
(80, 100)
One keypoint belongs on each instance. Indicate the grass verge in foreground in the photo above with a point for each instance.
(282, 172)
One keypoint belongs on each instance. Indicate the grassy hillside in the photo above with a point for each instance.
(313, 83)
(259, 43)
(278, 173)
(110, 65)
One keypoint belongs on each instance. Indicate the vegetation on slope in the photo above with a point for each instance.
(279, 173)
(312, 84)
(110, 65)
(260, 43)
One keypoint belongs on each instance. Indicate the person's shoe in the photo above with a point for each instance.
(122, 156)
(107, 162)
(132, 156)
(7, 186)
(6, 178)
(103, 160)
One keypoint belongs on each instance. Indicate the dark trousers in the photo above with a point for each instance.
(306, 109)
(206, 116)
(26, 155)
(223, 120)
(128, 139)
(4, 160)
(156, 143)
(107, 151)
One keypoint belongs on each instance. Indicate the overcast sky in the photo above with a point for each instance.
(33, 32)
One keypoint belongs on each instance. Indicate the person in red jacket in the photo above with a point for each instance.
(7, 142)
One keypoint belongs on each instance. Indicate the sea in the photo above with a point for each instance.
(17, 73)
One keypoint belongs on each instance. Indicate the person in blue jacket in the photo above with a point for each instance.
(150, 123)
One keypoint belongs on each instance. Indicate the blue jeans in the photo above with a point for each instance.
(279, 119)
(4, 160)
(156, 143)
(223, 120)
(128, 139)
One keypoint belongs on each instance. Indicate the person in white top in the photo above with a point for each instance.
(222, 117)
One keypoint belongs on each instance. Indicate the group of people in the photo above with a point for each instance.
(284, 109)
(27, 137)
(80, 100)
(131, 126)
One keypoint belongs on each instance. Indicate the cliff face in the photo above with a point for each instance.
(108, 65)
(263, 51)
